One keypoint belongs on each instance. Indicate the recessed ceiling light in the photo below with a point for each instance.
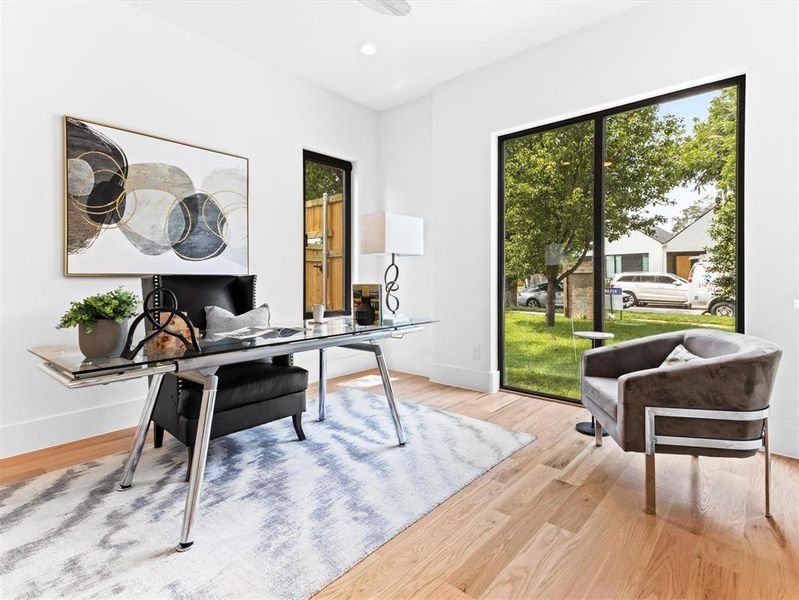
(367, 49)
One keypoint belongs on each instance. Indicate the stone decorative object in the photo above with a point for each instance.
(165, 320)
(164, 343)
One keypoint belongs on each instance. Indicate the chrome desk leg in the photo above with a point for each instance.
(141, 433)
(322, 382)
(768, 467)
(392, 404)
(198, 461)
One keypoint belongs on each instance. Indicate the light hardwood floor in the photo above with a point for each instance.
(562, 518)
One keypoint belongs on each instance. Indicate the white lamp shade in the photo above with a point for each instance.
(387, 233)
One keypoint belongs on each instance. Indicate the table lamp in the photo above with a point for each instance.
(397, 235)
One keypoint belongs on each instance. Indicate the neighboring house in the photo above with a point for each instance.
(636, 251)
(662, 251)
(684, 247)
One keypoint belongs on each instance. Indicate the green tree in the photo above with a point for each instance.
(709, 159)
(549, 189)
(321, 178)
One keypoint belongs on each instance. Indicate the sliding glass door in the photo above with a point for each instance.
(626, 221)
(548, 241)
(670, 186)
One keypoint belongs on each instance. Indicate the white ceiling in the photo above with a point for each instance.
(318, 40)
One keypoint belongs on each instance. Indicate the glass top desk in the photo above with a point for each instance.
(69, 367)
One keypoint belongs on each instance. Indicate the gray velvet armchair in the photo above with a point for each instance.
(717, 406)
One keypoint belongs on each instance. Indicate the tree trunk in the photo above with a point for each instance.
(552, 286)
(510, 291)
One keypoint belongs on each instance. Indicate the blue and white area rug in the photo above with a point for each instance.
(278, 518)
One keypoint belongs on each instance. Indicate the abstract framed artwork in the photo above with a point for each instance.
(137, 204)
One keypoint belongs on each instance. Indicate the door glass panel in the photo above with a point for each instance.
(670, 196)
(548, 244)
(325, 219)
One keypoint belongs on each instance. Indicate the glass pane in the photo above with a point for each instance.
(548, 203)
(670, 176)
(324, 250)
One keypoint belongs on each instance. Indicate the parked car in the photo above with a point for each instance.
(536, 296)
(639, 288)
(703, 293)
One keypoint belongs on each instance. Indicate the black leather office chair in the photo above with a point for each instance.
(249, 394)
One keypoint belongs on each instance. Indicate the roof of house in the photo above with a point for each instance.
(691, 224)
(660, 234)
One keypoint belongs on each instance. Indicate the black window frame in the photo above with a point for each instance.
(346, 166)
(599, 117)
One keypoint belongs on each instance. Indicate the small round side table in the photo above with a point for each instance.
(597, 339)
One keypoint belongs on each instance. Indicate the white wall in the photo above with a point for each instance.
(114, 63)
(652, 49)
(405, 187)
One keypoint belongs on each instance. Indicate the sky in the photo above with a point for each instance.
(687, 108)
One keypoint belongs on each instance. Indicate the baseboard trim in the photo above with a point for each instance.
(471, 379)
(406, 363)
(781, 435)
(63, 428)
(54, 430)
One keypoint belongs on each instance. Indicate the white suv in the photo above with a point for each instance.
(645, 287)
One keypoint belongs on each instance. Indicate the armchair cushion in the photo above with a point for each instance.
(242, 384)
(680, 355)
(604, 392)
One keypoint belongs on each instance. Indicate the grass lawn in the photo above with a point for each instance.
(544, 359)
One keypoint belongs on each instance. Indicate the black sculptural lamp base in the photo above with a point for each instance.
(390, 278)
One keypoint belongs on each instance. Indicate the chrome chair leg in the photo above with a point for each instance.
(650, 484)
(597, 433)
(768, 467)
(198, 461)
(141, 433)
(322, 382)
(392, 403)
(651, 440)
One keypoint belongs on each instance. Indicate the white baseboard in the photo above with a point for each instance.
(471, 379)
(784, 438)
(338, 363)
(63, 428)
(407, 363)
(53, 430)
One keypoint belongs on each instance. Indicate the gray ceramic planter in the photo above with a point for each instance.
(107, 339)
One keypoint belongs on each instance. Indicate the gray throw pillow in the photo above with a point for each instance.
(219, 319)
(680, 355)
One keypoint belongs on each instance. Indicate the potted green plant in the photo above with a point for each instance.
(101, 321)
